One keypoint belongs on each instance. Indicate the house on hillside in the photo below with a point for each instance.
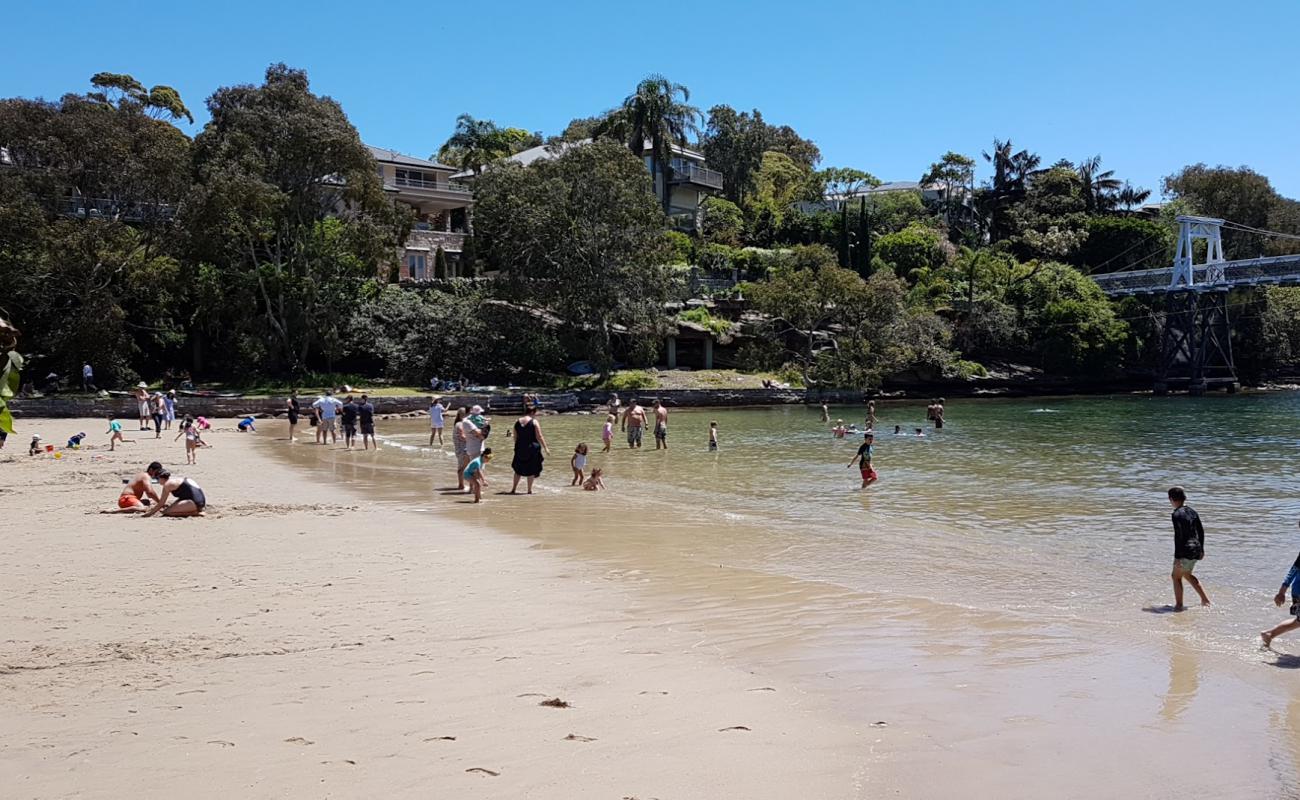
(689, 178)
(929, 192)
(441, 204)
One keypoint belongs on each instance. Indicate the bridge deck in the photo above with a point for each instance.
(1270, 271)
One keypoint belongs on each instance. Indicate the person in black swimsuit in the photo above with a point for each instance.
(292, 405)
(529, 445)
(187, 499)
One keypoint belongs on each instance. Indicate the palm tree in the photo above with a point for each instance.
(475, 144)
(654, 118)
(1099, 187)
(1130, 196)
(1010, 171)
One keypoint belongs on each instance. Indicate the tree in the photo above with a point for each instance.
(842, 182)
(1130, 196)
(953, 174)
(469, 258)
(722, 221)
(440, 270)
(1069, 324)
(126, 93)
(1011, 170)
(579, 129)
(1116, 243)
(579, 236)
(655, 118)
(916, 247)
(478, 142)
(733, 144)
(1239, 195)
(786, 141)
(1100, 188)
(289, 204)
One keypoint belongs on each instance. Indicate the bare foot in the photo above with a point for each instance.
(1205, 602)
(1180, 608)
(1268, 639)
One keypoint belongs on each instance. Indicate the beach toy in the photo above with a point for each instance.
(58, 455)
(49, 448)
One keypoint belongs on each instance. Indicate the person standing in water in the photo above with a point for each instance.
(291, 406)
(529, 447)
(1292, 582)
(437, 414)
(826, 413)
(863, 459)
(1189, 546)
(938, 414)
(713, 436)
(348, 418)
(871, 415)
(661, 426)
(366, 416)
(634, 424)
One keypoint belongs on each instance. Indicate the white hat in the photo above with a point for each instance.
(476, 410)
(35, 436)
(142, 385)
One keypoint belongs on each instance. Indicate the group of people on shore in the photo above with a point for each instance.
(327, 414)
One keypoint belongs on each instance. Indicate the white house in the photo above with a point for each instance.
(442, 207)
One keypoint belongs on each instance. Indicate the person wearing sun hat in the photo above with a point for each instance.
(141, 395)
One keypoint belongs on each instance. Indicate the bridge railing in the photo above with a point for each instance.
(1271, 270)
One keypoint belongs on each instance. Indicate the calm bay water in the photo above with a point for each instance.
(1000, 593)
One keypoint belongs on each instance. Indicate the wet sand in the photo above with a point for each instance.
(305, 640)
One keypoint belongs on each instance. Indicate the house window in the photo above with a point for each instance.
(416, 266)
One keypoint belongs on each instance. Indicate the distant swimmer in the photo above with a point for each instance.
(839, 430)
(1291, 581)
(863, 459)
(898, 430)
(1189, 546)
(920, 432)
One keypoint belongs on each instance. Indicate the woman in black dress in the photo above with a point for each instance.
(529, 446)
(292, 405)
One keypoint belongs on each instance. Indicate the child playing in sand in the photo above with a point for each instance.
(713, 436)
(607, 435)
(35, 447)
(74, 442)
(115, 428)
(246, 425)
(193, 441)
(594, 483)
(579, 463)
(1291, 580)
(476, 475)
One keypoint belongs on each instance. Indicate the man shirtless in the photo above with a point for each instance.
(135, 490)
(634, 424)
(661, 426)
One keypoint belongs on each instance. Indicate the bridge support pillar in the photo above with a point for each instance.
(1196, 351)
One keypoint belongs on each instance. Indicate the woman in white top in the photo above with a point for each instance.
(436, 412)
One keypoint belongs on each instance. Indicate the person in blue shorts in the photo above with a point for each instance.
(1292, 581)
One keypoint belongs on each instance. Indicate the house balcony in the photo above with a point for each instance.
(422, 239)
(700, 176)
(450, 195)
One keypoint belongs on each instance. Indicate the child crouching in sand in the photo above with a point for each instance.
(476, 475)
(594, 483)
(1292, 580)
(579, 463)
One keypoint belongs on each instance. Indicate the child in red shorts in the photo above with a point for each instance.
(863, 459)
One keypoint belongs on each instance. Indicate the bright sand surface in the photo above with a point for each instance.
(303, 641)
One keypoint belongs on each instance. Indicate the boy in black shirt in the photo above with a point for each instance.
(366, 414)
(1189, 546)
(349, 414)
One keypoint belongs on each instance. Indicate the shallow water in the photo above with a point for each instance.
(1008, 562)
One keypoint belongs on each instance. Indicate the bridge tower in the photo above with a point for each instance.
(1196, 351)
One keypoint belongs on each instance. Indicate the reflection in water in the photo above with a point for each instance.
(1184, 679)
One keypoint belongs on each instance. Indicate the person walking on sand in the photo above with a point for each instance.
(366, 416)
(529, 447)
(1189, 546)
(634, 424)
(187, 498)
(476, 475)
(1292, 582)
(661, 426)
(437, 414)
(115, 428)
(193, 440)
(157, 412)
(863, 459)
(88, 378)
(293, 409)
(169, 408)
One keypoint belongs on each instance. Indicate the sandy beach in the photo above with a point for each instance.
(303, 640)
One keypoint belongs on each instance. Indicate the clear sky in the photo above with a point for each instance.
(883, 86)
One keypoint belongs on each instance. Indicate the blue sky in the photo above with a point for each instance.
(882, 86)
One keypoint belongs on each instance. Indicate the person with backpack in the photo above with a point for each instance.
(1189, 546)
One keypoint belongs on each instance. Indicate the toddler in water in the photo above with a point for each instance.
(579, 463)
(607, 435)
(839, 430)
(594, 483)
(1292, 580)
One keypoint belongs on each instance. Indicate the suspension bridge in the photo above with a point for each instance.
(1196, 347)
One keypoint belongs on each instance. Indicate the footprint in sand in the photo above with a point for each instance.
(441, 739)
(221, 742)
(652, 693)
(483, 771)
(762, 689)
(299, 740)
(733, 728)
(554, 702)
(573, 737)
(530, 694)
